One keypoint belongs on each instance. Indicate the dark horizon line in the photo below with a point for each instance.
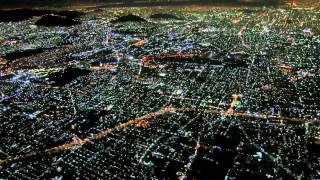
(104, 4)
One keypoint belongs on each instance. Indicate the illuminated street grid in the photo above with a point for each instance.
(203, 93)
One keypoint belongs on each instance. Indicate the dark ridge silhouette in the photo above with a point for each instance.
(65, 76)
(129, 18)
(17, 15)
(68, 14)
(165, 16)
(53, 20)
(25, 53)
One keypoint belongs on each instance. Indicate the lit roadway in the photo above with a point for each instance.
(77, 142)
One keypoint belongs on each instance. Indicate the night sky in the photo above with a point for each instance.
(28, 3)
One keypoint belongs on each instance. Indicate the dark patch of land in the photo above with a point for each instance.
(26, 53)
(54, 20)
(16, 15)
(65, 76)
(129, 18)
